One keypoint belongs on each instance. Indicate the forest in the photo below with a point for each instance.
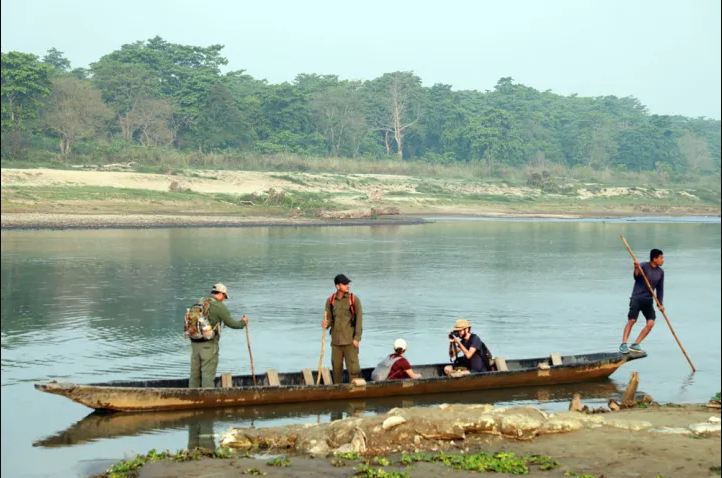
(153, 98)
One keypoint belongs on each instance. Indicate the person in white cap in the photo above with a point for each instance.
(401, 368)
(395, 366)
(204, 352)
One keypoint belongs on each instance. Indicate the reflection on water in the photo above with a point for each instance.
(95, 306)
(202, 423)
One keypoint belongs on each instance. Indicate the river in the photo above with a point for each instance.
(98, 305)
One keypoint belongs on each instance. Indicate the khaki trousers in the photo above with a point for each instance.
(349, 353)
(204, 362)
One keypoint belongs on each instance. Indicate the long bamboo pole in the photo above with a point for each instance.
(323, 349)
(250, 354)
(659, 304)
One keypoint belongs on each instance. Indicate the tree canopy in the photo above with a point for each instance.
(155, 93)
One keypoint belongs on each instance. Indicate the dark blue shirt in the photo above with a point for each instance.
(475, 363)
(655, 275)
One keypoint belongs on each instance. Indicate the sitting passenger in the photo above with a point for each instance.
(475, 356)
(395, 366)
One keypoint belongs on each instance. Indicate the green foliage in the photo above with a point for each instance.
(368, 471)
(129, 468)
(716, 396)
(55, 59)
(25, 84)
(253, 472)
(169, 96)
(279, 461)
(348, 455)
(501, 462)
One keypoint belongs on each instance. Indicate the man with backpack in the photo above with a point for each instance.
(203, 329)
(344, 316)
(469, 353)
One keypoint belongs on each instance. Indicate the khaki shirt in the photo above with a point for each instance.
(342, 332)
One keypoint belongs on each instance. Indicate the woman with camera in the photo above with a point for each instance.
(474, 355)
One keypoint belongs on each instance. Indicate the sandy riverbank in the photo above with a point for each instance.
(60, 199)
(650, 442)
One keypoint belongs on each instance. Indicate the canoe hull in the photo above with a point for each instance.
(153, 398)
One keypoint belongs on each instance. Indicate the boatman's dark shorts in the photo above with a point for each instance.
(646, 306)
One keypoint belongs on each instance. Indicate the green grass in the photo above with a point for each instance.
(130, 468)
(500, 462)
(279, 461)
(90, 193)
(269, 202)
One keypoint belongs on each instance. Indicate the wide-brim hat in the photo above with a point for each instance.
(219, 287)
(462, 324)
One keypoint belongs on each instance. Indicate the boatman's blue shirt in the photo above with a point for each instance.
(655, 275)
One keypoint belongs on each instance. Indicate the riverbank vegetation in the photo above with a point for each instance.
(329, 144)
(162, 104)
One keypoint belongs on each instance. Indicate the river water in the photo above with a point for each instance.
(99, 305)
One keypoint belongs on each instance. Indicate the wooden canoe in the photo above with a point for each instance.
(174, 394)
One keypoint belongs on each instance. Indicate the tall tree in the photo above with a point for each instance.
(182, 73)
(338, 115)
(395, 106)
(56, 59)
(149, 121)
(25, 85)
(75, 111)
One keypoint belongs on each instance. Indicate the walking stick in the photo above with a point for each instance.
(323, 348)
(659, 305)
(248, 342)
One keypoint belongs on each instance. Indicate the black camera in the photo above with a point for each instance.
(453, 334)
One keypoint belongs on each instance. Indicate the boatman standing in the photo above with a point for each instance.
(204, 349)
(642, 300)
(344, 316)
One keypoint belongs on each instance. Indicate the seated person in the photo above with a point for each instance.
(475, 356)
(395, 366)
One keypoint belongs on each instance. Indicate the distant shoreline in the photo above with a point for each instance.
(42, 198)
(47, 221)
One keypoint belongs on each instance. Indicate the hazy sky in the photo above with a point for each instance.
(664, 52)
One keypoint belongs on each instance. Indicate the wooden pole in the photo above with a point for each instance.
(659, 304)
(323, 348)
(629, 398)
(248, 342)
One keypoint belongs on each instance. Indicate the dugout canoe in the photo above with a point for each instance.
(174, 394)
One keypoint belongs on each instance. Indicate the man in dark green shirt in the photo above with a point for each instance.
(343, 314)
(204, 353)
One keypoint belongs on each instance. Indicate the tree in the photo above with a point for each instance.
(75, 111)
(395, 107)
(339, 117)
(220, 125)
(492, 138)
(25, 85)
(181, 73)
(696, 152)
(55, 59)
(125, 86)
(149, 120)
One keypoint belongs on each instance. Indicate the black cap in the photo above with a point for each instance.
(341, 279)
